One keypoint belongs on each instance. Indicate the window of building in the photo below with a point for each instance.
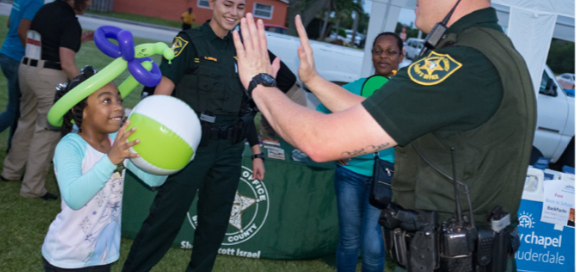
(203, 3)
(263, 10)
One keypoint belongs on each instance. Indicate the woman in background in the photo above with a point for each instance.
(358, 220)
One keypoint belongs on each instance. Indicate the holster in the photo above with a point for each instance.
(411, 237)
(416, 242)
(211, 131)
(242, 127)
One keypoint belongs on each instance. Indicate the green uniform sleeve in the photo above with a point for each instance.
(423, 98)
(184, 56)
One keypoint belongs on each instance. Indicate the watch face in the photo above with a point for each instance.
(267, 80)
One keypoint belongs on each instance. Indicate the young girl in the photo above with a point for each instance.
(86, 234)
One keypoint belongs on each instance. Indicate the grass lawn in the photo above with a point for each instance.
(24, 222)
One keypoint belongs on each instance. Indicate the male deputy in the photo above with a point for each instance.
(478, 101)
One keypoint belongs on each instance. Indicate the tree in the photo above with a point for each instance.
(355, 22)
(308, 9)
(561, 56)
(325, 24)
(342, 10)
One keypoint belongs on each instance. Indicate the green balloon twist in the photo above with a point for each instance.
(106, 75)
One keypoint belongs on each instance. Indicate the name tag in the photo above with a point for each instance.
(207, 118)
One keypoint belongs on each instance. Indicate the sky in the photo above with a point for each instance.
(406, 17)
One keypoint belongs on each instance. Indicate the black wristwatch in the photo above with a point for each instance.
(258, 156)
(264, 79)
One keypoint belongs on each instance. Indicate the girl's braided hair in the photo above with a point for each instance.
(76, 113)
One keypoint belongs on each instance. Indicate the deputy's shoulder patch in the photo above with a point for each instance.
(433, 69)
(178, 45)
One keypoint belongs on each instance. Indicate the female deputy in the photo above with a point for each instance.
(33, 143)
(358, 220)
(204, 75)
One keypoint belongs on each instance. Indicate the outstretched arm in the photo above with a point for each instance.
(334, 97)
(342, 134)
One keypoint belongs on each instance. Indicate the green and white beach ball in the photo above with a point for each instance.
(169, 132)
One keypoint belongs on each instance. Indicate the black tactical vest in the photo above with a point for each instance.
(491, 159)
(213, 85)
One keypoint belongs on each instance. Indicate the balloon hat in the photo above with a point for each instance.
(142, 68)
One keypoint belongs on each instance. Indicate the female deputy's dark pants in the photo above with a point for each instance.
(215, 171)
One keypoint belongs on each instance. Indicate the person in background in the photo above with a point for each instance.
(187, 18)
(359, 220)
(10, 56)
(34, 141)
(403, 34)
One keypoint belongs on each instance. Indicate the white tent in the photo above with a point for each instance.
(531, 24)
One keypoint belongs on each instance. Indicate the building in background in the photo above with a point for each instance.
(271, 11)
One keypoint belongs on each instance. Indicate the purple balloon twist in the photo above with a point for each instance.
(126, 50)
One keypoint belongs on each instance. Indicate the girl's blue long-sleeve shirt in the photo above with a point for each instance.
(79, 185)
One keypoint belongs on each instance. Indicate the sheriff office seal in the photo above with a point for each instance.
(178, 45)
(433, 69)
(249, 212)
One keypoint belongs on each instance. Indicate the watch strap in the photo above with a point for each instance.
(258, 156)
(257, 79)
(252, 86)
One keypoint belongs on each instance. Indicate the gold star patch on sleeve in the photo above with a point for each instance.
(433, 69)
(178, 45)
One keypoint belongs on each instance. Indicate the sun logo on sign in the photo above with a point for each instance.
(526, 220)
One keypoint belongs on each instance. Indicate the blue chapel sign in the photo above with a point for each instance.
(543, 248)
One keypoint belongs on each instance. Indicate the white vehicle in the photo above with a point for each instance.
(555, 132)
(413, 47)
(339, 64)
(567, 80)
(357, 39)
(333, 36)
(555, 126)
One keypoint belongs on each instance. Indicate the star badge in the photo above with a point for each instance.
(433, 69)
(241, 203)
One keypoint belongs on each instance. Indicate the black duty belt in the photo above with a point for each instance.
(47, 64)
(219, 132)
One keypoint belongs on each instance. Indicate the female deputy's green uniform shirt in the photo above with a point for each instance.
(452, 89)
(185, 53)
(205, 72)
